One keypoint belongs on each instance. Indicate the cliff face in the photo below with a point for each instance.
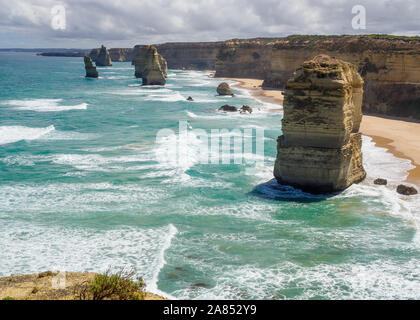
(390, 67)
(320, 150)
(244, 58)
(190, 55)
(116, 54)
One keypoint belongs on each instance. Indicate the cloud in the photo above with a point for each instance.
(125, 23)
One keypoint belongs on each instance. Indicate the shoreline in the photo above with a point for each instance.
(399, 136)
(254, 87)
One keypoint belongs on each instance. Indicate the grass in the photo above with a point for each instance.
(112, 286)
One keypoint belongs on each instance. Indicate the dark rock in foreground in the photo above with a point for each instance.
(91, 71)
(406, 190)
(245, 109)
(190, 99)
(228, 108)
(381, 182)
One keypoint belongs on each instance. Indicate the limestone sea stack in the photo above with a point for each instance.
(103, 59)
(150, 66)
(320, 149)
(91, 71)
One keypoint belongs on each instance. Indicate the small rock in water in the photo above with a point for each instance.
(228, 108)
(406, 190)
(381, 182)
(224, 90)
(190, 99)
(245, 109)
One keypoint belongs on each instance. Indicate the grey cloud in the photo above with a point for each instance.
(125, 23)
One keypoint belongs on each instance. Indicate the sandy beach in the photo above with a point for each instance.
(254, 87)
(401, 138)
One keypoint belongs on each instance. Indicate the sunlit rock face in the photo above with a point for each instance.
(150, 66)
(320, 149)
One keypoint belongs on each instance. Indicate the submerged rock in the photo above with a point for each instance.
(381, 182)
(245, 109)
(103, 58)
(223, 89)
(228, 108)
(91, 71)
(406, 190)
(150, 66)
(320, 149)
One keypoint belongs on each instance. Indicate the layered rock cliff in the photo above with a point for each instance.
(190, 55)
(320, 149)
(390, 67)
(103, 58)
(244, 58)
(150, 66)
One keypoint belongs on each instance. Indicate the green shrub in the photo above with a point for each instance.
(116, 286)
(8, 298)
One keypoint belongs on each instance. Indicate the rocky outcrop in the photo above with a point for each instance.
(320, 149)
(380, 182)
(245, 109)
(103, 58)
(406, 190)
(223, 89)
(150, 66)
(228, 108)
(91, 71)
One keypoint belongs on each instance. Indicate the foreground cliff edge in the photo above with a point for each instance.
(320, 149)
(40, 286)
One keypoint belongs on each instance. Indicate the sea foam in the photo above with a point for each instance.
(11, 134)
(43, 105)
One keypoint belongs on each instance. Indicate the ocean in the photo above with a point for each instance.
(84, 186)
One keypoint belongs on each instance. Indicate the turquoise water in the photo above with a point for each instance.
(82, 187)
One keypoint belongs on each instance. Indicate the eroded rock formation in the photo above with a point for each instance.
(150, 66)
(223, 89)
(320, 149)
(91, 71)
(103, 58)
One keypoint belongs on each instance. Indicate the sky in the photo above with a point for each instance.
(124, 23)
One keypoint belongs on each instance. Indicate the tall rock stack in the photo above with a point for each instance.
(91, 71)
(320, 149)
(103, 59)
(150, 66)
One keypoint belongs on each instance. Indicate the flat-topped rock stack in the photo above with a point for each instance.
(91, 71)
(320, 149)
(150, 66)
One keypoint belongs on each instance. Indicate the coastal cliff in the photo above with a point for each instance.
(190, 55)
(320, 149)
(390, 67)
(244, 58)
